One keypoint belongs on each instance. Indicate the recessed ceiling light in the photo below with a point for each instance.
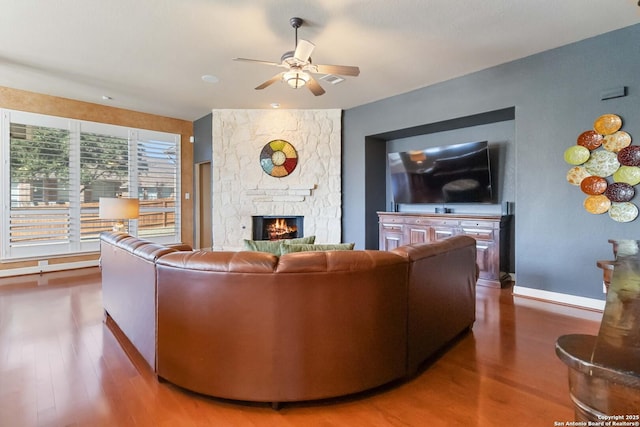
(107, 97)
(210, 79)
(275, 105)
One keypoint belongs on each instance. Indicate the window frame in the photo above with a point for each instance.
(73, 242)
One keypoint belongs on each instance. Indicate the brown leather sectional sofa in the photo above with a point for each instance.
(252, 326)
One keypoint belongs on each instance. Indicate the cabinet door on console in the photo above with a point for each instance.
(443, 228)
(391, 236)
(418, 234)
(486, 261)
(487, 251)
(442, 232)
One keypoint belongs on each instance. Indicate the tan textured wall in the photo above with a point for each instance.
(20, 100)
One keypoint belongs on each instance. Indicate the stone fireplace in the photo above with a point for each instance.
(277, 227)
(242, 190)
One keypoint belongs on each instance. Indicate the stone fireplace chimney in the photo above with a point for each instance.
(242, 190)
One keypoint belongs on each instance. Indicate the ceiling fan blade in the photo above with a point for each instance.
(314, 86)
(271, 81)
(258, 61)
(341, 70)
(303, 50)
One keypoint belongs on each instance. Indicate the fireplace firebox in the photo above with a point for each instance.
(277, 227)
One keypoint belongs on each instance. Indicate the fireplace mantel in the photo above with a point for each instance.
(266, 194)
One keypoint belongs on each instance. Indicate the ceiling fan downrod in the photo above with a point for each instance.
(296, 23)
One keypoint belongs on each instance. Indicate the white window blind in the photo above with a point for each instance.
(55, 170)
(37, 219)
(104, 172)
(157, 183)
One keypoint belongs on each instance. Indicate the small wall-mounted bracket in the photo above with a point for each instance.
(617, 92)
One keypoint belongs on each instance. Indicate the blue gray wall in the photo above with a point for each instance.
(556, 96)
(203, 139)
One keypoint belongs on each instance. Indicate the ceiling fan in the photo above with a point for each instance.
(299, 66)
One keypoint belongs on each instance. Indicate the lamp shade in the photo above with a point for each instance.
(118, 208)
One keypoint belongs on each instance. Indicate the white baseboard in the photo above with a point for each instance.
(45, 268)
(574, 300)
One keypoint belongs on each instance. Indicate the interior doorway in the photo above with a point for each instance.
(204, 232)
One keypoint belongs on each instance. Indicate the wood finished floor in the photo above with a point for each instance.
(60, 365)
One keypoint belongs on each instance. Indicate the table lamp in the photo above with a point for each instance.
(118, 208)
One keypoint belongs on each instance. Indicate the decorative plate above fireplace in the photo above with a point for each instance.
(278, 158)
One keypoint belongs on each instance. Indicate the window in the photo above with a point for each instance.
(55, 170)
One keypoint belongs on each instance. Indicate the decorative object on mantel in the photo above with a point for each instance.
(606, 168)
(278, 158)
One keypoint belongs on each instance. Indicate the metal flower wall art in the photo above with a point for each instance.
(606, 167)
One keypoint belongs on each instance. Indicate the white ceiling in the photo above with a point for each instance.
(149, 55)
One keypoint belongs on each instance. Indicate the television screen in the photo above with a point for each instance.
(458, 173)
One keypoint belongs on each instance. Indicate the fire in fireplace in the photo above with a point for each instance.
(277, 227)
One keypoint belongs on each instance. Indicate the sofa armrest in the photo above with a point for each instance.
(129, 287)
(442, 294)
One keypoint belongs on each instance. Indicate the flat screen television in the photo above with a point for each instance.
(458, 173)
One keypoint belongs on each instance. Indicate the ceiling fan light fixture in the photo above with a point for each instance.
(296, 78)
(300, 67)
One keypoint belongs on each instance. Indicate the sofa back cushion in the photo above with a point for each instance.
(295, 262)
(286, 247)
(142, 248)
(336, 261)
(222, 261)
